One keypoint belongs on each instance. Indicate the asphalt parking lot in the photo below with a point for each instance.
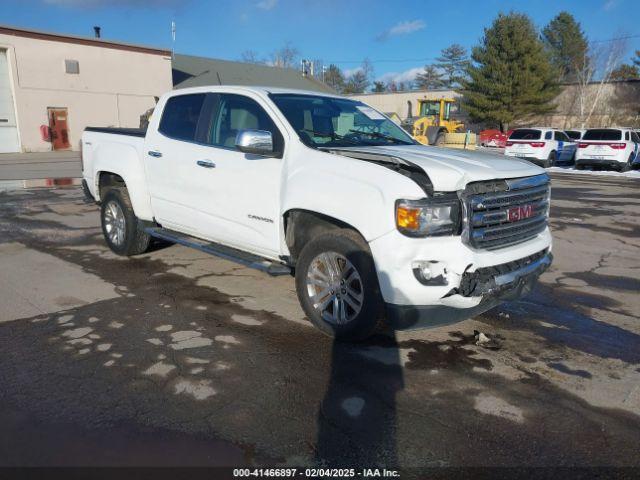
(179, 358)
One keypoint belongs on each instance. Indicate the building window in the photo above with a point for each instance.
(72, 66)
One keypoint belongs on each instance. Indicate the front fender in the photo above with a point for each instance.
(360, 194)
(124, 160)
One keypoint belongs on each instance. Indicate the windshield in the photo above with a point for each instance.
(602, 134)
(573, 134)
(525, 134)
(338, 122)
(429, 109)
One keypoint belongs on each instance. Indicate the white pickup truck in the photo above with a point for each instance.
(372, 224)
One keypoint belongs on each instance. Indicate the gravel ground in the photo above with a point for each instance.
(178, 358)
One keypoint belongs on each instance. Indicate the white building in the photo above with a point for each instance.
(67, 83)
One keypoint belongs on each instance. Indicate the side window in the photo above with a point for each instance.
(626, 135)
(180, 116)
(558, 136)
(548, 135)
(235, 113)
(634, 137)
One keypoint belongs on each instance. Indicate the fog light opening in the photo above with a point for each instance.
(430, 273)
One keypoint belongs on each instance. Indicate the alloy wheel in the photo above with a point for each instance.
(335, 288)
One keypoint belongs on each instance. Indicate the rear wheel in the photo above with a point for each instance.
(551, 160)
(337, 285)
(627, 166)
(120, 227)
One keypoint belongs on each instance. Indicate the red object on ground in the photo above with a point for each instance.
(494, 138)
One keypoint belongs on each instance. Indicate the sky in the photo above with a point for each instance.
(399, 37)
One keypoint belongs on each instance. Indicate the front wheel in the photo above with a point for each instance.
(337, 285)
(122, 231)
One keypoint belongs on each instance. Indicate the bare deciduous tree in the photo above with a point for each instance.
(251, 56)
(596, 67)
(285, 57)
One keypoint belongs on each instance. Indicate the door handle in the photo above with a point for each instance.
(154, 153)
(206, 164)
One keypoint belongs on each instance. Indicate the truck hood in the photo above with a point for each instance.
(451, 169)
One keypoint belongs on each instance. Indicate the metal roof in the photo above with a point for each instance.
(90, 41)
(190, 71)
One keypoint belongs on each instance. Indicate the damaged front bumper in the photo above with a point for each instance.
(479, 291)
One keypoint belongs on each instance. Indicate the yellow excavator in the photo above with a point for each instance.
(434, 124)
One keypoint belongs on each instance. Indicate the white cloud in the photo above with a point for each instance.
(267, 4)
(609, 5)
(347, 72)
(406, 76)
(402, 28)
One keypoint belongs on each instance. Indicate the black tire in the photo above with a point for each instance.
(551, 160)
(627, 166)
(579, 166)
(136, 241)
(353, 248)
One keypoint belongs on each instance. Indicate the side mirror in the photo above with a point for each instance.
(257, 142)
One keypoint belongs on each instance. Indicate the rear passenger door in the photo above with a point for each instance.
(173, 149)
(565, 146)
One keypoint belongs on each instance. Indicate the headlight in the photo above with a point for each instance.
(428, 217)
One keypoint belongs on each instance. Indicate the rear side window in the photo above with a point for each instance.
(548, 135)
(602, 134)
(573, 134)
(525, 134)
(180, 116)
(561, 137)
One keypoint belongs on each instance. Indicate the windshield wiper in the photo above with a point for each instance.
(334, 136)
(381, 135)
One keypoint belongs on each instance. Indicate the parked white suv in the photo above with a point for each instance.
(541, 145)
(330, 190)
(608, 147)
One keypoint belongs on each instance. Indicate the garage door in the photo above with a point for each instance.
(8, 129)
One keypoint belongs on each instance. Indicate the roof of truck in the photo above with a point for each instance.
(257, 89)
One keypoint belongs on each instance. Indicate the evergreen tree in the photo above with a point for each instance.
(360, 80)
(356, 83)
(566, 44)
(379, 87)
(453, 61)
(511, 77)
(429, 78)
(625, 72)
(334, 78)
(636, 60)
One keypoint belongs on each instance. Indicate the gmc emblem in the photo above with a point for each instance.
(520, 212)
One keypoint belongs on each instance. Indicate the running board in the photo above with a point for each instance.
(228, 253)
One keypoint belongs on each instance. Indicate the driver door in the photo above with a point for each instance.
(241, 192)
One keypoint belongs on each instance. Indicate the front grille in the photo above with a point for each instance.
(487, 214)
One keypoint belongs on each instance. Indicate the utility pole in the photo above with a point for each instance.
(173, 39)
